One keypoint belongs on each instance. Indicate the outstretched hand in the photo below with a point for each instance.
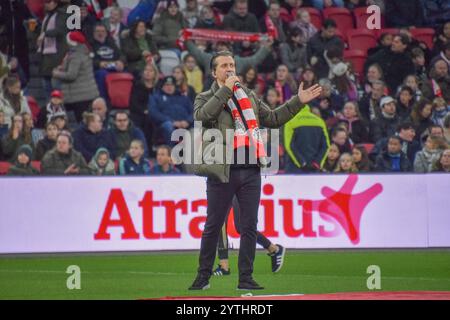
(309, 94)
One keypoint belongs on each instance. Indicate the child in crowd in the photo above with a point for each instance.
(134, 162)
(101, 164)
(333, 155)
(164, 162)
(53, 108)
(346, 164)
(361, 158)
(22, 164)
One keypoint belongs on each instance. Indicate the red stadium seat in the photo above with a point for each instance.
(424, 34)
(368, 146)
(37, 8)
(341, 35)
(34, 107)
(361, 17)
(341, 16)
(4, 167)
(119, 85)
(357, 58)
(36, 165)
(316, 16)
(393, 31)
(361, 39)
(286, 16)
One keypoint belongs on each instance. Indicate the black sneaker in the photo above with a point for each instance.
(200, 283)
(277, 258)
(249, 284)
(219, 271)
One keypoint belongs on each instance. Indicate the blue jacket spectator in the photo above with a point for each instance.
(169, 110)
(134, 162)
(393, 159)
(90, 136)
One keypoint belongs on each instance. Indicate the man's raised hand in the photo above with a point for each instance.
(309, 94)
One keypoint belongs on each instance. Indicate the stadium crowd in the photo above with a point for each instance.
(118, 87)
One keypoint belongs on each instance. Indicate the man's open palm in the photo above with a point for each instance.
(309, 94)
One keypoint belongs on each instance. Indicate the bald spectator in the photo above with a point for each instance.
(99, 107)
(439, 83)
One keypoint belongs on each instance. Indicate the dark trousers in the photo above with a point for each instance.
(246, 185)
(78, 108)
(222, 248)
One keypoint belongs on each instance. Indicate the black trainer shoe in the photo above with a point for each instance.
(219, 271)
(249, 284)
(200, 283)
(277, 258)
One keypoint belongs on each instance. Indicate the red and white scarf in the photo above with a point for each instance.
(246, 130)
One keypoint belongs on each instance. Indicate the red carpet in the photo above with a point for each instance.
(397, 295)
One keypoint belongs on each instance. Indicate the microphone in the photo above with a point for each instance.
(231, 74)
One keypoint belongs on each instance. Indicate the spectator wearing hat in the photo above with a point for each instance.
(393, 159)
(321, 42)
(53, 108)
(343, 82)
(395, 62)
(167, 27)
(48, 142)
(169, 110)
(107, 57)
(51, 43)
(22, 163)
(101, 164)
(384, 125)
(139, 48)
(77, 76)
(90, 136)
(293, 52)
(63, 159)
(439, 83)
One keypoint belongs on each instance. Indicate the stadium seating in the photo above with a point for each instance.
(361, 39)
(393, 31)
(119, 85)
(316, 16)
(4, 167)
(34, 107)
(342, 17)
(424, 34)
(357, 58)
(169, 60)
(368, 146)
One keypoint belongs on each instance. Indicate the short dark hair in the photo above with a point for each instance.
(403, 38)
(121, 112)
(329, 23)
(213, 64)
(166, 147)
(393, 137)
(405, 126)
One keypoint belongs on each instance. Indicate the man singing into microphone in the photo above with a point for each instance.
(228, 105)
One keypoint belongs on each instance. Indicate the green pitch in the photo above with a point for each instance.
(150, 275)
